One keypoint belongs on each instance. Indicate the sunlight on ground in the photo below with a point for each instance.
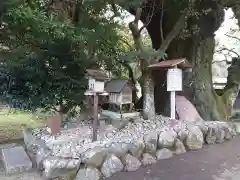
(10, 124)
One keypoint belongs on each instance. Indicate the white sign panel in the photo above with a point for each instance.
(174, 79)
(95, 86)
(99, 86)
(91, 84)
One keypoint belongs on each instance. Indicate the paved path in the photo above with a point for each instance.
(215, 162)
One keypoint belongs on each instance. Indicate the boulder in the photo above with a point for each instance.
(167, 139)
(183, 134)
(237, 128)
(111, 165)
(56, 166)
(220, 135)
(70, 176)
(89, 173)
(151, 142)
(186, 110)
(137, 149)
(211, 134)
(95, 157)
(28, 136)
(131, 163)
(119, 149)
(229, 131)
(148, 159)
(179, 147)
(164, 154)
(203, 128)
(194, 139)
(42, 153)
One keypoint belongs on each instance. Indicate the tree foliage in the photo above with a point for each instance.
(47, 52)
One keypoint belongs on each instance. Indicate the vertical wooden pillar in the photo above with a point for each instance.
(173, 105)
(95, 118)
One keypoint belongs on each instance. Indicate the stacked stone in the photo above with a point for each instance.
(137, 145)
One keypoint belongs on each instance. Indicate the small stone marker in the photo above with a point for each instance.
(6, 146)
(15, 160)
(54, 124)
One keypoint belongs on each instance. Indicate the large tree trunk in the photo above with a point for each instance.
(203, 95)
(148, 96)
(147, 84)
(199, 50)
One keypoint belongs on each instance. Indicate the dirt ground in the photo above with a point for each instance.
(215, 162)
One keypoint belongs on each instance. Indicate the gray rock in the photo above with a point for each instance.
(131, 163)
(220, 135)
(111, 165)
(164, 154)
(179, 147)
(148, 159)
(119, 149)
(228, 135)
(167, 139)
(120, 124)
(95, 157)
(15, 160)
(69, 176)
(89, 173)
(151, 142)
(204, 129)
(137, 149)
(229, 132)
(194, 139)
(183, 134)
(41, 155)
(211, 135)
(237, 127)
(28, 136)
(7, 146)
(56, 166)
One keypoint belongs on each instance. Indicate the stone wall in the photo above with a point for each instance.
(138, 144)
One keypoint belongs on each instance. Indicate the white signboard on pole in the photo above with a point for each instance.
(174, 79)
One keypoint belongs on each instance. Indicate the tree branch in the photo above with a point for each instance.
(161, 22)
(236, 10)
(233, 37)
(133, 26)
(219, 61)
(138, 15)
(173, 33)
(226, 49)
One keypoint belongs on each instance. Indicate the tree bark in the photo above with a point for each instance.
(147, 84)
(199, 50)
(202, 93)
(198, 87)
(148, 96)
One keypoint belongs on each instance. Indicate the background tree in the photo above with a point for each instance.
(48, 52)
(186, 29)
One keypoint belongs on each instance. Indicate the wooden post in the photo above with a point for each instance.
(173, 104)
(95, 118)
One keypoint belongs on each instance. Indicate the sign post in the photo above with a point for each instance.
(96, 81)
(174, 83)
(174, 78)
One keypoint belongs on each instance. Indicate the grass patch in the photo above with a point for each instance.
(10, 124)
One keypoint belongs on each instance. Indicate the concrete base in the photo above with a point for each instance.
(16, 160)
